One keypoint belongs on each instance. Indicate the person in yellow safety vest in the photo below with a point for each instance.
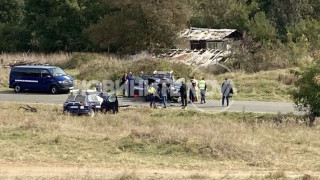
(203, 89)
(151, 94)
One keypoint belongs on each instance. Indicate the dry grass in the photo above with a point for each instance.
(158, 138)
(35, 57)
(271, 85)
(4, 78)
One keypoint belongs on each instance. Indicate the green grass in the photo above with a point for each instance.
(262, 86)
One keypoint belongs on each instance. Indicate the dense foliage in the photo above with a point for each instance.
(131, 26)
(307, 95)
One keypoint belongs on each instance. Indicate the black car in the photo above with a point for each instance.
(83, 104)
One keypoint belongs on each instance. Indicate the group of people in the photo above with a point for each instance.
(194, 87)
(163, 91)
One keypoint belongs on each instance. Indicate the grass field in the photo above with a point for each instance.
(159, 139)
(262, 86)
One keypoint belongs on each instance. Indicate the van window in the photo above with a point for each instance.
(57, 72)
(17, 72)
(44, 73)
(31, 72)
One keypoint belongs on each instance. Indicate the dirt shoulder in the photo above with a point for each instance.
(43, 171)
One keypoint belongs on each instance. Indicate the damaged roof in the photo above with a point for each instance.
(197, 34)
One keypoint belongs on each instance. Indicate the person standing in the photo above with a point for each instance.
(141, 73)
(164, 94)
(183, 94)
(151, 94)
(99, 87)
(226, 88)
(191, 91)
(124, 82)
(203, 89)
(130, 84)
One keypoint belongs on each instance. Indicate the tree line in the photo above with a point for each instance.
(131, 26)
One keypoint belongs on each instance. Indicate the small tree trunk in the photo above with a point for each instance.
(312, 119)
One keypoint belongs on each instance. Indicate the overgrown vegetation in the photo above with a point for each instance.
(307, 95)
(159, 138)
(262, 86)
(132, 26)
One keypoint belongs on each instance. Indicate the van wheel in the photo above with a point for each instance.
(54, 90)
(17, 88)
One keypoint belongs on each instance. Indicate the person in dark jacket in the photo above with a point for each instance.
(183, 93)
(124, 82)
(226, 90)
(130, 84)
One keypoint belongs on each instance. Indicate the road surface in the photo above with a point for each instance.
(211, 106)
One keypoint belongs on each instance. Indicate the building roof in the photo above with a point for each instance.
(207, 34)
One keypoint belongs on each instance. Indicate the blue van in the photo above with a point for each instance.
(40, 78)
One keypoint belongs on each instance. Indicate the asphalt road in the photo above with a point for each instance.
(211, 106)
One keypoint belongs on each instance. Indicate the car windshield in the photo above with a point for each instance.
(160, 76)
(80, 98)
(57, 72)
(70, 98)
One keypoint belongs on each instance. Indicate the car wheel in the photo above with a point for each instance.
(92, 112)
(54, 90)
(17, 88)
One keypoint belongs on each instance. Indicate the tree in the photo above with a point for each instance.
(136, 25)
(11, 11)
(13, 34)
(59, 25)
(232, 14)
(307, 94)
(284, 13)
(261, 28)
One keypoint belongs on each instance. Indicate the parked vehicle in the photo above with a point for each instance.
(83, 104)
(109, 104)
(40, 78)
(172, 84)
(141, 84)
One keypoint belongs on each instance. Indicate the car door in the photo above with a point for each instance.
(93, 101)
(45, 79)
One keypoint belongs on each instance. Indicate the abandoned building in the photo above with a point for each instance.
(203, 38)
(203, 47)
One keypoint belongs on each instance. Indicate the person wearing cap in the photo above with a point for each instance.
(203, 88)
